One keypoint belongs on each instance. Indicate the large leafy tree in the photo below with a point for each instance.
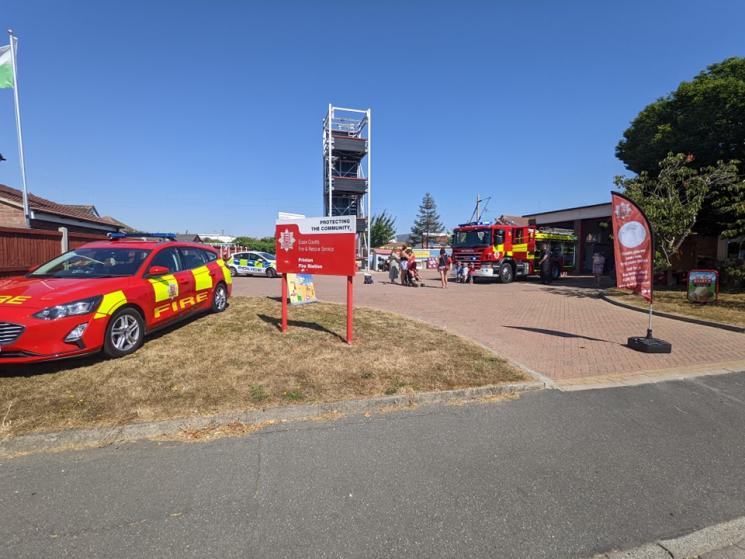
(427, 223)
(382, 229)
(705, 119)
(672, 199)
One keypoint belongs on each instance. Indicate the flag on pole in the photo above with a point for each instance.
(634, 246)
(6, 68)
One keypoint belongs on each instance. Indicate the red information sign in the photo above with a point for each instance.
(317, 245)
(632, 240)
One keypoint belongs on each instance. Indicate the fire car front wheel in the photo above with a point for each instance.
(124, 334)
(219, 298)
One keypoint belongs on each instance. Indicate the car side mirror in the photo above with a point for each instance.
(158, 271)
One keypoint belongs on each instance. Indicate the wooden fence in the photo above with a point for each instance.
(23, 248)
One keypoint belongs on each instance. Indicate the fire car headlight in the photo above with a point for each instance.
(84, 306)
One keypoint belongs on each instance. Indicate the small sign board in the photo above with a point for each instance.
(301, 289)
(317, 245)
(703, 286)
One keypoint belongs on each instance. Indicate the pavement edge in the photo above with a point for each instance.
(696, 544)
(63, 440)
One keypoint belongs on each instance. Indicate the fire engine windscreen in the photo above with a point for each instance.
(472, 238)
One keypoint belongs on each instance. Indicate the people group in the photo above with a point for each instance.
(402, 265)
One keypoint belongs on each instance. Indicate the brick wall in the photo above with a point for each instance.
(11, 216)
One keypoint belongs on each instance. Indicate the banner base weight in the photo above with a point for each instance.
(649, 345)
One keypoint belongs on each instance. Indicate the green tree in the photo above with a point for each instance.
(673, 198)
(264, 244)
(382, 229)
(427, 222)
(704, 118)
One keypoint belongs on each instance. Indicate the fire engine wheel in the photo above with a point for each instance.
(219, 298)
(124, 333)
(233, 272)
(506, 274)
(271, 273)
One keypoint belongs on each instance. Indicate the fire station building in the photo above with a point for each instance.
(594, 230)
(593, 227)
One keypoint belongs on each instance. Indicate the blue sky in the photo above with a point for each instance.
(206, 116)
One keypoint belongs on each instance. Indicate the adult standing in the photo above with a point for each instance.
(598, 267)
(393, 266)
(404, 264)
(443, 266)
(545, 264)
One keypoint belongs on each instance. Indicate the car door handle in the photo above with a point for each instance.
(212, 274)
(183, 282)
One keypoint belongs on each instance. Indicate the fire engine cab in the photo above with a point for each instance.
(496, 250)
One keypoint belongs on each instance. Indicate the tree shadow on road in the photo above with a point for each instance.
(559, 334)
(577, 293)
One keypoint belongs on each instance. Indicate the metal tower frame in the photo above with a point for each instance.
(347, 170)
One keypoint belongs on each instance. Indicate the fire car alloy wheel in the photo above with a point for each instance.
(220, 298)
(124, 333)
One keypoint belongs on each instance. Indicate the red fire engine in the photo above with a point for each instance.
(496, 250)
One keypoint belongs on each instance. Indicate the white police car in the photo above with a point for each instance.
(253, 263)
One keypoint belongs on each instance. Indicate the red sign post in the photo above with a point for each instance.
(317, 245)
(633, 242)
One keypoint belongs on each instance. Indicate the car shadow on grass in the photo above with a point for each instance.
(51, 367)
(277, 323)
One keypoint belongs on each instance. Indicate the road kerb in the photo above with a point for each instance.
(713, 538)
(102, 436)
(648, 377)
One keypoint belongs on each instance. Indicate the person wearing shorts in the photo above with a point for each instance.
(443, 266)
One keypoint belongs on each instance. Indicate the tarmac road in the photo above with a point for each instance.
(551, 474)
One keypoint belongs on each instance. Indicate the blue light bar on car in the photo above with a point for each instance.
(139, 235)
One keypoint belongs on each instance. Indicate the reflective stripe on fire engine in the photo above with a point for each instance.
(165, 287)
(202, 278)
(109, 303)
(225, 272)
(523, 247)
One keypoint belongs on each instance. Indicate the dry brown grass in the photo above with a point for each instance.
(730, 308)
(239, 360)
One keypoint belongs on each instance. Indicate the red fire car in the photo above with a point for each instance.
(108, 295)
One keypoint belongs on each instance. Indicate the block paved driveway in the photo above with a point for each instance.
(563, 331)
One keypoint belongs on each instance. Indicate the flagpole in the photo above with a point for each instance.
(13, 44)
(649, 325)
